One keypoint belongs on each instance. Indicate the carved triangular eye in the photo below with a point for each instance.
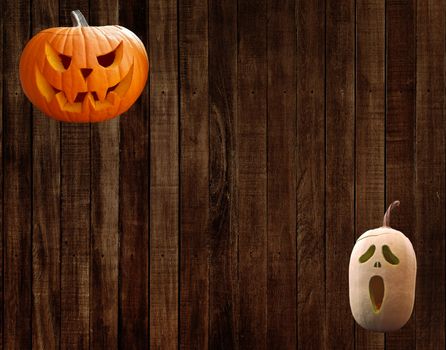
(368, 254)
(66, 60)
(389, 256)
(58, 61)
(112, 57)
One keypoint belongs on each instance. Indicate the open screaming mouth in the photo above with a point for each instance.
(376, 291)
(84, 98)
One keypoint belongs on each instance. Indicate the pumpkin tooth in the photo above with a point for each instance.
(113, 97)
(71, 95)
(101, 93)
(65, 105)
(97, 105)
(92, 103)
(101, 105)
(88, 103)
(61, 99)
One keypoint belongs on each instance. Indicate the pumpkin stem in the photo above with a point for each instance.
(386, 220)
(78, 19)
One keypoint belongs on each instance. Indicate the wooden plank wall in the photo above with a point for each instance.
(220, 211)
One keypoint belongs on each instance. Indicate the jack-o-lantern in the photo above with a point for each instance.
(382, 276)
(82, 73)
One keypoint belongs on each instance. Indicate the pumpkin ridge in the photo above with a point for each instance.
(112, 47)
(53, 41)
(99, 41)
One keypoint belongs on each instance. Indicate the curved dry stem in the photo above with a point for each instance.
(78, 19)
(386, 220)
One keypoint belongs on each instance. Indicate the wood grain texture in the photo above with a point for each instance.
(104, 235)
(75, 222)
(370, 132)
(104, 229)
(310, 183)
(430, 175)
(220, 211)
(46, 210)
(164, 174)
(400, 133)
(340, 165)
(194, 175)
(251, 154)
(223, 287)
(281, 175)
(17, 184)
(1, 183)
(134, 203)
(75, 228)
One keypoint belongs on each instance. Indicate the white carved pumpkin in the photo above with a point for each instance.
(382, 276)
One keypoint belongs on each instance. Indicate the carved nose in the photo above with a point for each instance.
(377, 264)
(86, 72)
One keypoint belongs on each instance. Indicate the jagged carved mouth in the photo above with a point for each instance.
(112, 96)
(376, 291)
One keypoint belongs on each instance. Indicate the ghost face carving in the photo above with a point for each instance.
(382, 275)
(83, 73)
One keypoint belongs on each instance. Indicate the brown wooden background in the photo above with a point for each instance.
(221, 210)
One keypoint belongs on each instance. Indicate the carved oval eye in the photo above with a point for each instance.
(58, 61)
(389, 256)
(112, 57)
(368, 254)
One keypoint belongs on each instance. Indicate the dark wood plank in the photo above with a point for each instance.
(251, 153)
(75, 221)
(340, 136)
(46, 209)
(281, 173)
(104, 235)
(164, 175)
(104, 251)
(430, 175)
(194, 175)
(17, 183)
(400, 133)
(222, 181)
(134, 203)
(370, 133)
(1, 182)
(75, 226)
(311, 174)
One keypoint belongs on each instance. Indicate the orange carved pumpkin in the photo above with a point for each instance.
(82, 73)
